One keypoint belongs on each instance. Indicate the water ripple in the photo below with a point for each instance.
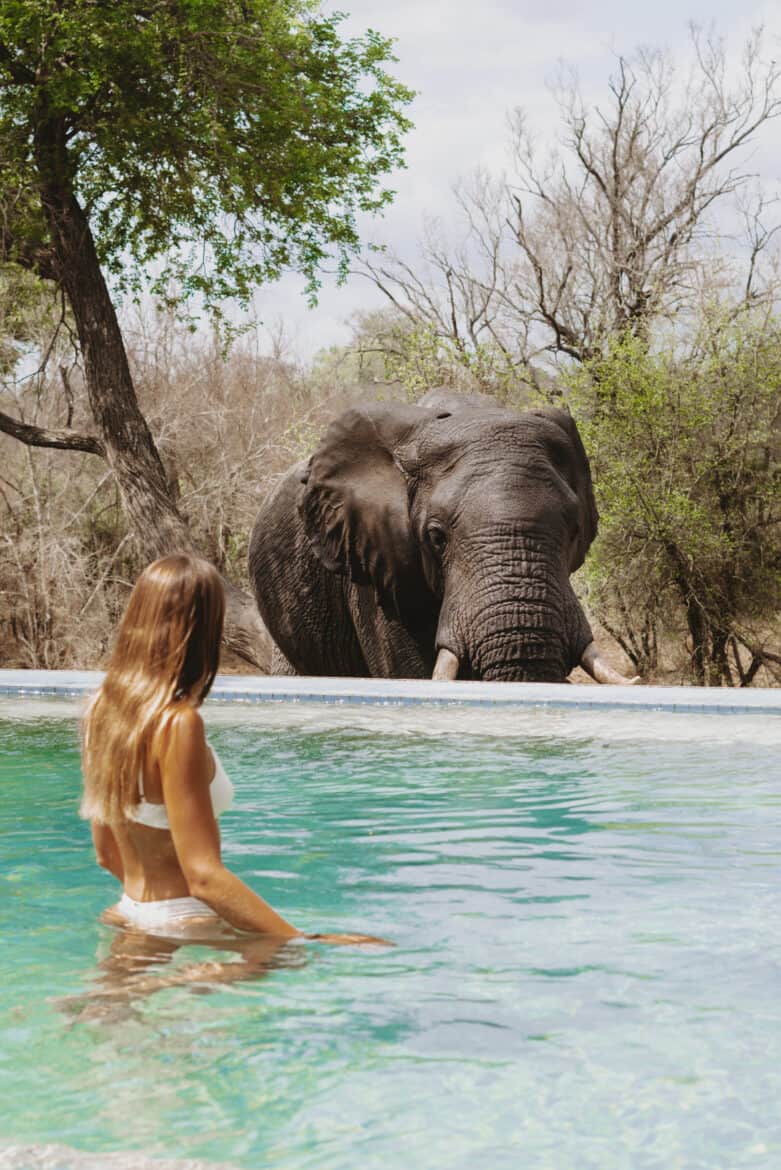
(586, 971)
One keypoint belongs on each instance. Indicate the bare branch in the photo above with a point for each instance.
(65, 440)
(610, 231)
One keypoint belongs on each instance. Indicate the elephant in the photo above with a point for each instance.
(431, 540)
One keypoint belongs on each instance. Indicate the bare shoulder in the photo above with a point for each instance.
(182, 734)
(185, 720)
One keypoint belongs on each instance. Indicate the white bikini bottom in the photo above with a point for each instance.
(170, 912)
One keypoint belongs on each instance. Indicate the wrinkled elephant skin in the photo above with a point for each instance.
(436, 538)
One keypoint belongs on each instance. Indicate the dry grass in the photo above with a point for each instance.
(226, 426)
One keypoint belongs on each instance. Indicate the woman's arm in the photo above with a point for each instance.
(186, 767)
(107, 850)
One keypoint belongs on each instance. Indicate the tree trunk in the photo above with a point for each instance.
(129, 447)
(696, 618)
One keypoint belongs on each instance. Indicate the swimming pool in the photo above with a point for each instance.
(586, 911)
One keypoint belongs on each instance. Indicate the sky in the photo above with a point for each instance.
(471, 62)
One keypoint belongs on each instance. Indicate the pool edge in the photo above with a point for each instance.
(276, 689)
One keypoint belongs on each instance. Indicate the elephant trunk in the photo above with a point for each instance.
(522, 623)
(520, 643)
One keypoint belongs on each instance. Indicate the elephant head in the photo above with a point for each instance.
(463, 509)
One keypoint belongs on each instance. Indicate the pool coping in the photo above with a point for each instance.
(764, 701)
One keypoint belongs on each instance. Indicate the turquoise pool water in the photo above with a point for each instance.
(587, 912)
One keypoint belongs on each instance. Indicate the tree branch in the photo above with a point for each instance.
(64, 440)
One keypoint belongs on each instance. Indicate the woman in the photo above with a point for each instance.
(153, 787)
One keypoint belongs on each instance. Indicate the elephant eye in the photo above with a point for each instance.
(437, 537)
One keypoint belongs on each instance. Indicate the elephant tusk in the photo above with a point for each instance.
(446, 665)
(599, 669)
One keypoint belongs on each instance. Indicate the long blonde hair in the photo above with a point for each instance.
(167, 649)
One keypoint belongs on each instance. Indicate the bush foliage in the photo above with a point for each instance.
(684, 450)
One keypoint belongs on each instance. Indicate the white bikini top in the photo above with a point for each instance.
(154, 816)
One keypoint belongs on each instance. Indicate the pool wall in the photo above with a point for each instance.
(270, 689)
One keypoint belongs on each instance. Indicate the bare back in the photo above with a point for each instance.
(151, 866)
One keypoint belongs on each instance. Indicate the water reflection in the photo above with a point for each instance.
(138, 965)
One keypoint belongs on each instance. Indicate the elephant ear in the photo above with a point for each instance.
(355, 504)
(588, 516)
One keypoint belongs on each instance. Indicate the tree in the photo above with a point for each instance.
(391, 355)
(684, 446)
(605, 274)
(215, 143)
(611, 232)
